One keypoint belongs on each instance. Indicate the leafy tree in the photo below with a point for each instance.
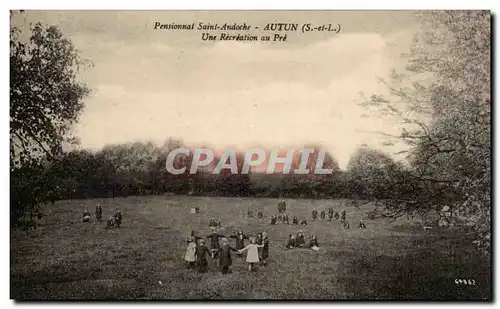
(46, 98)
(370, 174)
(443, 101)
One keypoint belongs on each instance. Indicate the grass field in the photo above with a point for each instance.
(67, 259)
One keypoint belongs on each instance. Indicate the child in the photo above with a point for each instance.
(201, 257)
(290, 244)
(361, 225)
(219, 224)
(190, 256)
(225, 260)
(286, 220)
(314, 214)
(212, 223)
(111, 222)
(313, 244)
(342, 218)
(98, 212)
(240, 239)
(304, 222)
(214, 241)
(295, 220)
(273, 220)
(253, 253)
(86, 216)
(260, 215)
(299, 240)
(260, 241)
(323, 215)
(346, 225)
(265, 249)
(336, 215)
(118, 218)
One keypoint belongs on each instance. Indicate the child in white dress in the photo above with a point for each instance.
(252, 254)
(190, 256)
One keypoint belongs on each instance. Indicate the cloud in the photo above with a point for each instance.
(238, 94)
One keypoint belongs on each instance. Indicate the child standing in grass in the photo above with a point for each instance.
(252, 254)
(225, 260)
(265, 249)
(299, 240)
(313, 244)
(215, 237)
(190, 256)
(86, 216)
(290, 244)
(201, 256)
(240, 240)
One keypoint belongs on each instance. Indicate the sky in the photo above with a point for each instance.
(148, 85)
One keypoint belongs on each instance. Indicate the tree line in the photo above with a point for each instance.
(442, 100)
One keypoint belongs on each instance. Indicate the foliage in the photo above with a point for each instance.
(447, 121)
(46, 98)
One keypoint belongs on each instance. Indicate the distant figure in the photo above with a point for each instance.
(342, 218)
(249, 213)
(190, 256)
(323, 214)
(361, 225)
(314, 214)
(273, 220)
(218, 224)
(346, 225)
(295, 220)
(98, 212)
(118, 218)
(313, 243)
(330, 214)
(281, 206)
(299, 240)
(86, 216)
(253, 253)
(111, 222)
(225, 260)
(212, 223)
(336, 215)
(240, 239)
(286, 220)
(303, 222)
(265, 250)
(290, 244)
(201, 257)
(260, 215)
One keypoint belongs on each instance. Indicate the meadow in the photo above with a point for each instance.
(67, 259)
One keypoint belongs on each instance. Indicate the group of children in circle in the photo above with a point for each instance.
(258, 248)
(197, 251)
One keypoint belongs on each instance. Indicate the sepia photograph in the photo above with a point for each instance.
(320, 155)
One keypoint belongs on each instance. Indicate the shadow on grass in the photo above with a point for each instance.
(426, 271)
